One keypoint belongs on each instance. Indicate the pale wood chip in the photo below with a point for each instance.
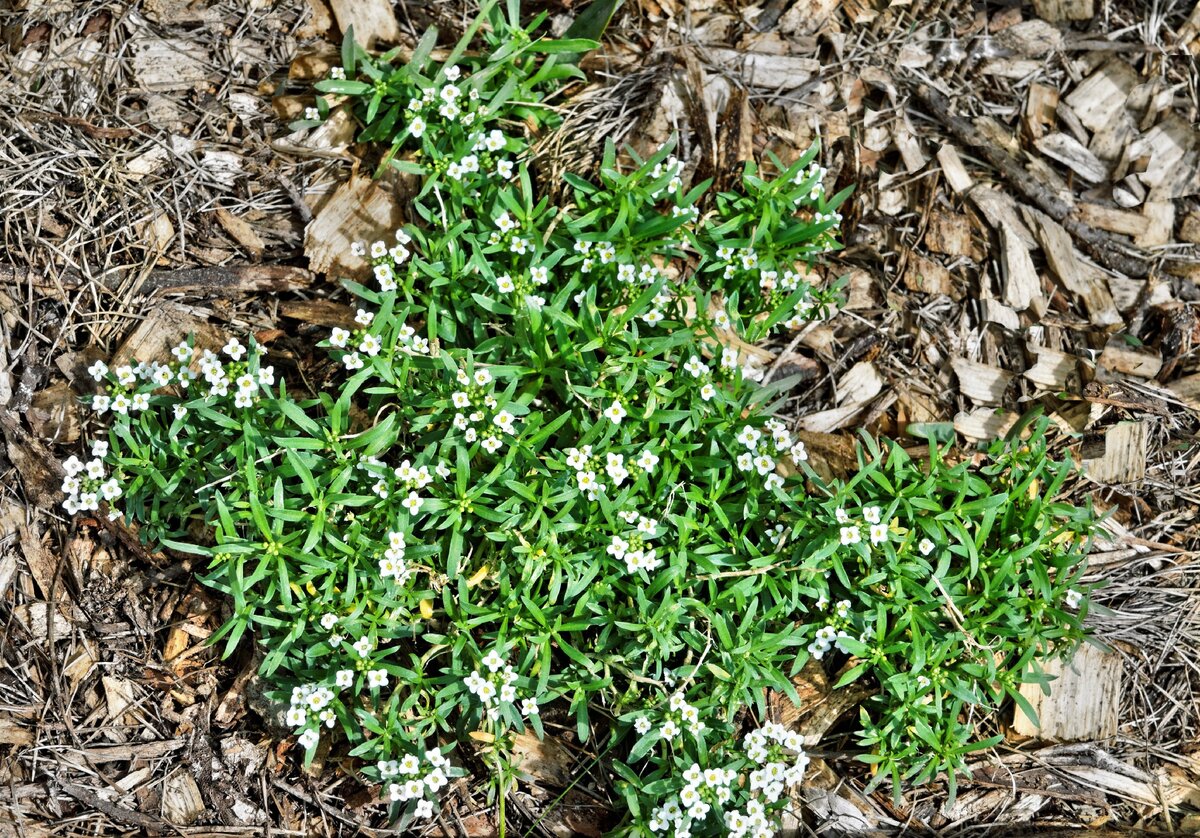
(1186, 389)
(1160, 218)
(1052, 370)
(1040, 105)
(953, 169)
(33, 616)
(242, 232)
(983, 424)
(861, 383)
(374, 21)
(1083, 702)
(1100, 98)
(1189, 230)
(981, 383)
(1033, 38)
(164, 327)
(182, 802)
(1022, 285)
(1074, 155)
(928, 276)
(360, 210)
(162, 64)
(1124, 458)
(1080, 277)
(1113, 220)
(1124, 360)
(760, 69)
(1060, 10)
(1169, 149)
(995, 311)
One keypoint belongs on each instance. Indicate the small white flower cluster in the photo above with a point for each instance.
(588, 467)
(488, 146)
(479, 416)
(851, 531)
(392, 565)
(522, 287)
(506, 228)
(634, 548)
(817, 172)
(414, 779)
(311, 703)
(404, 478)
(385, 261)
(672, 167)
(1073, 599)
(498, 687)
(448, 103)
(221, 376)
(707, 790)
(87, 483)
(757, 458)
(603, 251)
(678, 716)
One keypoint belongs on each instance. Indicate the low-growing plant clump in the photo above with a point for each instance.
(552, 480)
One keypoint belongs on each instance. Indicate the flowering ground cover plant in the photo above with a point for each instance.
(549, 482)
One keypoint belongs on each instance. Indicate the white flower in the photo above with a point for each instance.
(352, 361)
(493, 661)
(850, 535)
(450, 92)
(879, 533)
(642, 725)
(424, 809)
(344, 678)
(529, 707)
(363, 646)
(234, 349)
(120, 403)
(338, 337)
(377, 678)
(370, 345)
(1073, 599)
(871, 514)
(483, 377)
(504, 169)
(505, 284)
(412, 503)
(453, 72)
(749, 437)
(615, 412)
(328, 621)
(417, 127)
(297, 716)
(312, 113)
(98, 370)
(926, 546)
(141, 401)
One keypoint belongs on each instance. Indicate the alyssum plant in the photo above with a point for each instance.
(550, 482)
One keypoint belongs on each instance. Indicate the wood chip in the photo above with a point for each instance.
(983, 424)
(1099, 100)
(374, 21)
(360, 210)
(1053, 368)
(546, 760)
(1124, 360)
(1083, 279)
(32, 615)
(1124, 459)
(928, 276)
(994, 311)
(242, 232)
(1022, 285)
(1170, 155)
(162, 64)
(164, 327)
(1113, 220)
(953, 169)
(182, 802)
(1040, 105)
(1058, 10)
(981, 383)
(1083, 702)
(860, 384)
(952, 234)
(1186, 389)
(1033, 38)
(1074, 155)
(1160, 224)
(764, 70)
(1189, 230)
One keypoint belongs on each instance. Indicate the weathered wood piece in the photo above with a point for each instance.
(1083, 702)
